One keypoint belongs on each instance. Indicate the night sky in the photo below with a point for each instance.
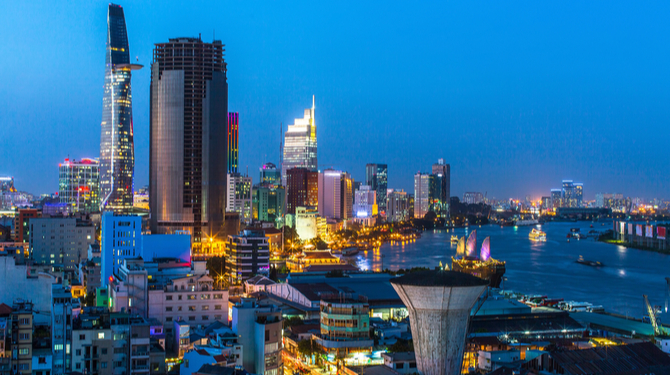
(515, 96)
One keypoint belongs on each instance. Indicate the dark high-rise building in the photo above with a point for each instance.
(189, 113)
(233, 138)
(302, 189)
(117, 151)
(444, 170)
(376, 176)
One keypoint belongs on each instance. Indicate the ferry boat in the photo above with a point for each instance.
(482, 265)
(591, 263)
(537, 235)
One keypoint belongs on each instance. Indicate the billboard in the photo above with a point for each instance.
(660, 233)
(649, 231)
(630, 228)
(638, 230)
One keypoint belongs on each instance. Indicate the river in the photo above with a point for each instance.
(549, 267)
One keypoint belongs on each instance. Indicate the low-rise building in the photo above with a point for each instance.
(401, 362)
(345, 326)
(259, 329)
(60, 241)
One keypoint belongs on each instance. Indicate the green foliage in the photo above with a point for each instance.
(401, 346)
(293, 321)
(216, 266)
(308, 347)
(320, 244)
(89, 300)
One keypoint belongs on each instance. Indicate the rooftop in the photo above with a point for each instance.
(439, 278)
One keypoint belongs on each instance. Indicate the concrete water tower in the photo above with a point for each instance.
(439, 305)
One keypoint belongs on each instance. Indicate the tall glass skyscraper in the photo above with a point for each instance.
(188, 149)
(300, 144)
(376, 176)
(117, 151)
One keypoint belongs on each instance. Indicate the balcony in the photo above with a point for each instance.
(140, 354)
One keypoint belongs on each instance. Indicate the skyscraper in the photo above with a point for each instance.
(421, 194)
(270, 175)
(78, 185)
(336, 196)
(233, 137)
(302, 189)
(300, 144)
(117, 151)
(189, 113)
(239, 196)
(444, 170)
(376, 176)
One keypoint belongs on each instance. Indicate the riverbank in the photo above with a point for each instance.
(634, 246)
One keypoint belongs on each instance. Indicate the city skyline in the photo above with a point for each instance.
(554, 119)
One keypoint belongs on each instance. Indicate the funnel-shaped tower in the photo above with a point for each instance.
(439, 305)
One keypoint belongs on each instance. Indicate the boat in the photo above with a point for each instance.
(537, 235)
(350, 251)
(454, 239)
(520, 223)
(480, 265)
(591, 263)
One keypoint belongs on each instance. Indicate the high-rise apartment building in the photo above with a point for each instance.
(443, 171)
(188, 156)
(336, 196)
(421, 194)
(300, 144)
(556, 196)
(302, 189)
(579, 194)
(376, 176)
(117, 150)
(233, 139)
(239, 196)
(121, 239)
(248, 255)
(397, 206)
(78, 185)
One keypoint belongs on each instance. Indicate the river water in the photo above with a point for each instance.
(549, 267)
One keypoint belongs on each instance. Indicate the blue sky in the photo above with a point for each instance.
(515, 96)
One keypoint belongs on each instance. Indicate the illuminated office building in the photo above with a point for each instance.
(188, 156)
(302, 189)
(78, 185)
(335, 194)
(443, 171)
(376, 176)
(239, 196)
(117, 150)
(397, 206)
(300, 144)
(365, 202)
(233, 137)
(270, 175)
(421, 194)
(268, 203)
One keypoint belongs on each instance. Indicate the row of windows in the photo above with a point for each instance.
(190, 319)
(195, 296)
(193, 308)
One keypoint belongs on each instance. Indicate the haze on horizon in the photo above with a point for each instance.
(516, 97)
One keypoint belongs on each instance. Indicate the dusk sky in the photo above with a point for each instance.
(515, 96)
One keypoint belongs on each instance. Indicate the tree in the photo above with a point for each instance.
(293, 321)
(320, 244)
(89, 300)
(307, 348)
(401, 346)
(216, 267)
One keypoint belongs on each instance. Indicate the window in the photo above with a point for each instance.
(101, 335)
(78, 352)
(205, 317)
(204, 296)
(168, 308)
(412, 365)
(218, 296)
(104, 350)
(168, 298)
(191, 318)
(217, 317)
(191, 296)
(24, 321)
(191, 308)
(179, 297)
(58, 347)
(25, 351)
(168, 319)
(103, 364)
(178, 308)
(205, 307)
(24, 336)
(217, 307)
(78, 366)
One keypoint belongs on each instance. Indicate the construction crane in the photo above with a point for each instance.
(652, 316)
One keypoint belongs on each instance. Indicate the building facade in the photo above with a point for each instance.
(302, 189)
(259, 329)
(60, 241)
(376, 176)
(188, 156)
(270, 175)
(443, 171)
(300, 149)
(336, 196)
(239, 196)
(421, 194)
(269, 203)
(249, 255)
(397, 206)
(471, 197)
(78, 185)
(233, 139)
(121, 238)
(117, 149)
(365, 202)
